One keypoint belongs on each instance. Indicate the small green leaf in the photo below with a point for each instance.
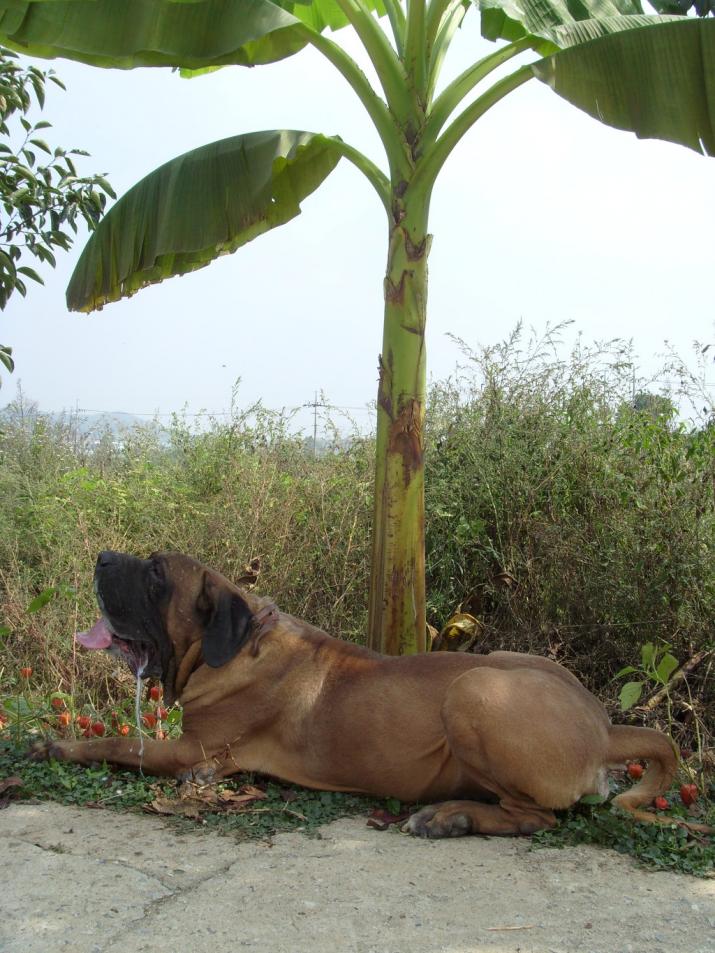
(6, 358)
(647, 654)
(625, 671)
(41, 144)
(31, 273)
(393, 805)
(102, 182)
(666, 667)
(19, 196)
(44, 597)
(630, 693)
(592, 799)
(4, 631)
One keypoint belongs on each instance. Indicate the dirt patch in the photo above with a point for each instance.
(99, 882)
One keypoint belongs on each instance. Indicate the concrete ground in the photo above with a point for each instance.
(90, 881)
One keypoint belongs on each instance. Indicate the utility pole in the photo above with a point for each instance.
(315, 404)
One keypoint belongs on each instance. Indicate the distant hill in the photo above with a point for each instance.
(85, 422)
(114, 422)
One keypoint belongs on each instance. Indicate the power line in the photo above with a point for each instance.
(212, 413)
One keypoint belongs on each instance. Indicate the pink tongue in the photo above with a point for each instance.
(98, 637)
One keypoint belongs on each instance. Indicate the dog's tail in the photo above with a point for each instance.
(627, 744)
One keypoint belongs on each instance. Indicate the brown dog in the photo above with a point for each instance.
(499, 740)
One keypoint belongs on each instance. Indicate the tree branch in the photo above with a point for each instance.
(437, 48)
(396, 16)
(376, 108)
(450, 98)
(415, 57)
(437, 11)
(382, 55)
(428, 168)
(374, 175)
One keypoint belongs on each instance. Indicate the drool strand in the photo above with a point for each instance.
(137, 709)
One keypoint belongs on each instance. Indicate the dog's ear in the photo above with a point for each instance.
(228, 623)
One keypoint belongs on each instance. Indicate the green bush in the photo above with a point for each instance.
(572, 518)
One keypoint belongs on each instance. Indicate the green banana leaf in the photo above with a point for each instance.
(573, 34)
(656, 81)
(205, 203)
(514, 19)
(133, 33)
(193, 35)
(319, 14)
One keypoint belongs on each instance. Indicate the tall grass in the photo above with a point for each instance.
(576, 518)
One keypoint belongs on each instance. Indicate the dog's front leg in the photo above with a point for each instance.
(158, 757)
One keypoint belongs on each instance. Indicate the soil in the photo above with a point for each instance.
(91, 881)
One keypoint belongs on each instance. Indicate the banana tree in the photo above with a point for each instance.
(651, 74)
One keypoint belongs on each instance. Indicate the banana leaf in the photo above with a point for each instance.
(205, 203)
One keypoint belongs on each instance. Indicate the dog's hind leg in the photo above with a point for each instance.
(535, 742)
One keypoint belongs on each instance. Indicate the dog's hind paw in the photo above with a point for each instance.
(434, 821)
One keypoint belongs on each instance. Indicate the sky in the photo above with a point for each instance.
(542, 215)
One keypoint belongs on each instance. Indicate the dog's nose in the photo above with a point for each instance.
(105, 558)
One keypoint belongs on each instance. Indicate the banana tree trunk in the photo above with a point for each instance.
(397, 623)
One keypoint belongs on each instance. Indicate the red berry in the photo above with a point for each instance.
(688, 794)
(84, 721)
(149, 720)
(161, 713)
(155, 693)
(635, 770)
(63, 719)
(57, 703)
(660, 803)
(124, 729)
(98, 728)
(26, 671)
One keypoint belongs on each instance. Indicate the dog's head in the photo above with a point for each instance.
(154, 610)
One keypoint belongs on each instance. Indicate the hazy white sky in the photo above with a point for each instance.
(542, 214)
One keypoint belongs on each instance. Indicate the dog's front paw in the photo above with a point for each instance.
(44, 750)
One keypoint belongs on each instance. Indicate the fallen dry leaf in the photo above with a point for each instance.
(13, 782)
(175, 807)
(7, 786)
(194, 799)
